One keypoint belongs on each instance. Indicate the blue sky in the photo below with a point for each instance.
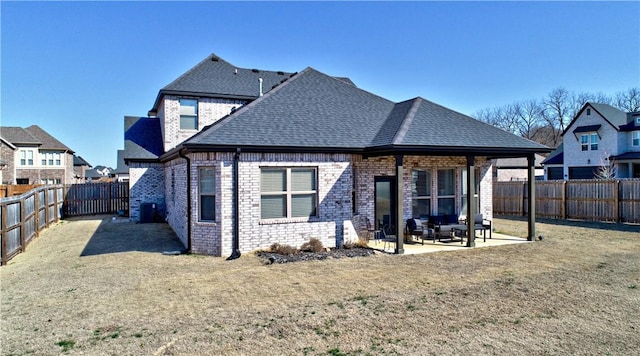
(77, 68)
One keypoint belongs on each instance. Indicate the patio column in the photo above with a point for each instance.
(399, 204)
(531, 203)
(471, 204)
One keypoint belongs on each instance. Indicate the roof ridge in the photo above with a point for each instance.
(192, 69)
(407, 121)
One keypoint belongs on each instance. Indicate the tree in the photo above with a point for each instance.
(629, 100)
(607, 168)
(556, 111)
(528, 118)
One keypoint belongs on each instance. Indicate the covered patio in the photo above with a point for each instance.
(416, 247)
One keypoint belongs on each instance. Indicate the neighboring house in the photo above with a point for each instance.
(238, 159)
(516, 169)
(80, 167)
(122, 170)
(38, 157)
(100, 174)
(599, 137)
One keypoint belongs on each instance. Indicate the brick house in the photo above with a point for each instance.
(32, 156)
(598, 136)
(237, 159)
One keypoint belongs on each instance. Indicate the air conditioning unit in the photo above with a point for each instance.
(147, 212)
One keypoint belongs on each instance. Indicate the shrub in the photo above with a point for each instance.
(313, 245)
(282, 249)
(361, 242)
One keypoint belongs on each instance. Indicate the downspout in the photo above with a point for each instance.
(188, 250)
(235, 242)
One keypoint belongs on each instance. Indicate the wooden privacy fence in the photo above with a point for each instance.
(96, 198)
(23, 217)
(596, 200)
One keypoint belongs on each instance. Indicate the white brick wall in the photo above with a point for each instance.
(335, 223)
(146, 185)
(210, 110)
(608, 143)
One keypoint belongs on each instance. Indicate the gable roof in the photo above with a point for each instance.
(215, 77)
(556, 156)
(79, 161)
(33, 136)
(613, 116)
(313, 112)
(142, 138)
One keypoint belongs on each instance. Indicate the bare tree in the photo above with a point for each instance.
(528, 117)
(607, 168)
(628, 100)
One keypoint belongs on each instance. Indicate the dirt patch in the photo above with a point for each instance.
(268, 258)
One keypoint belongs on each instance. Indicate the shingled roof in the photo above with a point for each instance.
(142, 138)
(33, 135)
(316, 112)
(215, 77)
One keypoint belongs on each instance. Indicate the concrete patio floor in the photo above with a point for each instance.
(415, 246)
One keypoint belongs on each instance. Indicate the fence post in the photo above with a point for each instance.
(564, 200)
(617, 201)
(3, 226)
(23, 204)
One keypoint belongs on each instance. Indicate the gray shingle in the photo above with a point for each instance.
(317, 111)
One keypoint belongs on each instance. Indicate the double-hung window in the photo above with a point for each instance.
(288, 192)
(421, 193)
(207, 193)
(635, 138)
(446, 191)
(26, 157)
(594, 142)
(589, 142)
(188, 114)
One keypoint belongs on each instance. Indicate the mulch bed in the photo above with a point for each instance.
(271, 257)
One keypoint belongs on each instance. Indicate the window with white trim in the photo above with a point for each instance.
(188, 114)
(589, 142)
(207, 193)
(635, 138)
(446, 191)
(288, 192)
(421, 193)
(26, 157)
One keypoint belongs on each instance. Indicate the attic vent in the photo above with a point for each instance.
(292, 74)
(284, 80)
(214, 59)
(255, 71)
(280, 73)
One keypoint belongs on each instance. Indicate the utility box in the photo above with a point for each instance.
(147, 212)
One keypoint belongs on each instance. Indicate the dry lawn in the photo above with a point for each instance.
(575, 292)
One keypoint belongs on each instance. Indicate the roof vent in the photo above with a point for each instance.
(235, 70)
(255, 71)
(214, 59)
(280, 73)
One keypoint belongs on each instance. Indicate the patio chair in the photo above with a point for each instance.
(413, 228)
(388, 235)
(480, 223)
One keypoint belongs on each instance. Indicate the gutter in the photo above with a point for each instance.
(235, 242)
(181, 154)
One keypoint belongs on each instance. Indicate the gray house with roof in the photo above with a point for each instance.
(237, 159)
(31, 155)
(599, 136)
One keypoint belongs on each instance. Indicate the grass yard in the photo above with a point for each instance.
(575, 292)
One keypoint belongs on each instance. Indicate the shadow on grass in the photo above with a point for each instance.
(113, 236)
(578, 223)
